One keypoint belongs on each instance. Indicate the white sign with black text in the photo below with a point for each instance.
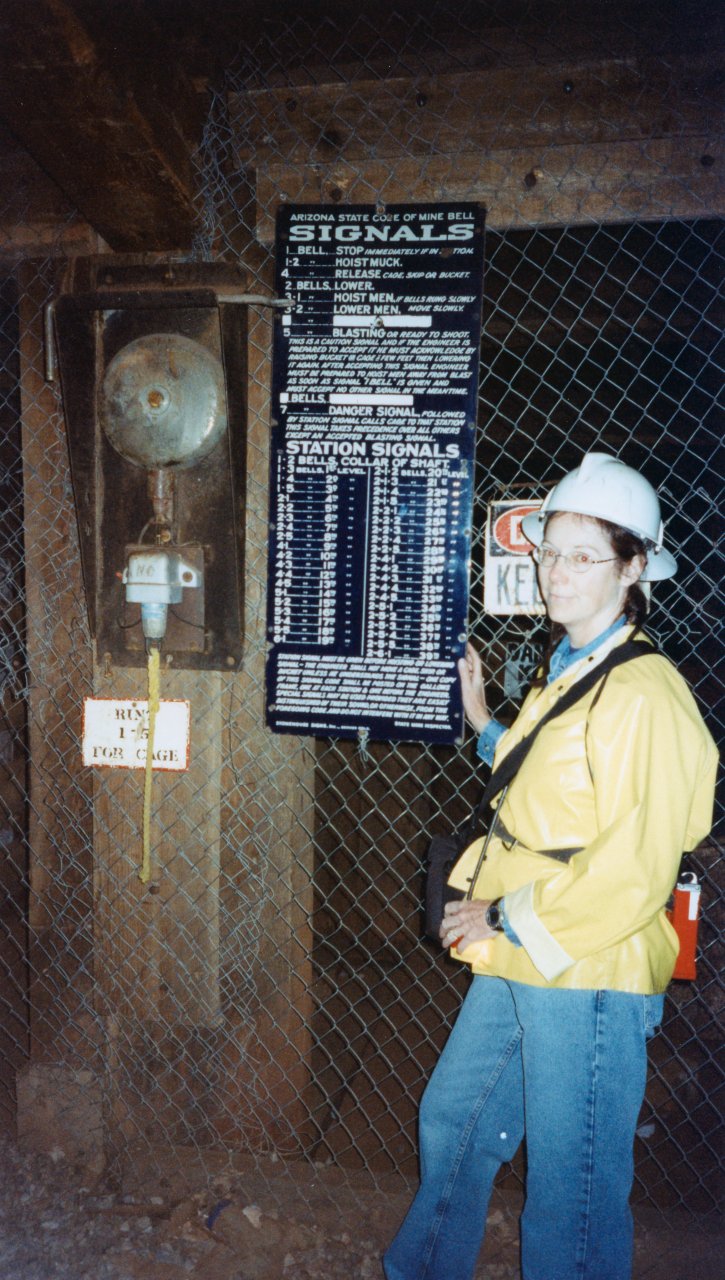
(115, 733)
(510, 583)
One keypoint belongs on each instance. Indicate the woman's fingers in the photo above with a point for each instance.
(473, 690)
(473, 658)
(465, 922)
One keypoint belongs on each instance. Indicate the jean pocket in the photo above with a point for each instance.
(652, 1007)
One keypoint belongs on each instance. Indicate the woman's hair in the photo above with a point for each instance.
(625, 545)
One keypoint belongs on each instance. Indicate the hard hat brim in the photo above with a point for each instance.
(660, 565)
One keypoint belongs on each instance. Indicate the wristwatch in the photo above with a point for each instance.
(495, 916)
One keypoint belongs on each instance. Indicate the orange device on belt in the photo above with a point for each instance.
(684, 915)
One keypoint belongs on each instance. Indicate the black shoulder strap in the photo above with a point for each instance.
(510, 765)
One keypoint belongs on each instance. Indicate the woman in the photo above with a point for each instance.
(566, 933)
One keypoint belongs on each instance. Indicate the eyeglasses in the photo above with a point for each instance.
(576, 561)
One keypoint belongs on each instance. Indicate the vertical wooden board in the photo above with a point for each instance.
(267, 844)
(59, 664)
(158, 943)
(13, 725)
(186, 829)
(14, 1028)
(126, 912)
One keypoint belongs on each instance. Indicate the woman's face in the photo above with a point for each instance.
(585, 604)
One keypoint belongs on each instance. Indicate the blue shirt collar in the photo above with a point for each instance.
(563, 655)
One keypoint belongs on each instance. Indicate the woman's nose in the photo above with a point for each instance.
(558, 570)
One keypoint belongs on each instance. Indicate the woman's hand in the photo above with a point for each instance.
(473, 689)
(464, 922)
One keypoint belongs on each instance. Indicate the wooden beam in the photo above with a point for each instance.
(59, 662)
(521, 187)
(37, 220)
(601, 100)
(124, 164)
(379, 38)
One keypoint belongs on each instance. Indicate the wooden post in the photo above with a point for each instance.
(59, 663)
(157, 948)
(58, 1097)
(267, 851)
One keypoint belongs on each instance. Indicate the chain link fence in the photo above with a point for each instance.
(273, 996)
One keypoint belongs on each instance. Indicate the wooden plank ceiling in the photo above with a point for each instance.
(109, 97)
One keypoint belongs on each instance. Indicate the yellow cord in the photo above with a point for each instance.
(144, 874)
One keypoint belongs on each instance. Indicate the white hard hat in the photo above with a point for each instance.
(603, 486)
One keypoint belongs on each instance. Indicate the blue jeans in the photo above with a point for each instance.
(568, 1068)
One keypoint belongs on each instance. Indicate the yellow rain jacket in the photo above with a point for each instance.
(629, 782)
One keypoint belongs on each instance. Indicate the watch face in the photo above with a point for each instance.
(493, 916)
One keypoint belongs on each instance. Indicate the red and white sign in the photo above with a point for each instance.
(510, 585)
(506, 530)
(116, 730)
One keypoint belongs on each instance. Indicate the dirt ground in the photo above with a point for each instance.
(247, 1221)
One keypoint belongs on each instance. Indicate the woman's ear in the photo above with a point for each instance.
(632, 571)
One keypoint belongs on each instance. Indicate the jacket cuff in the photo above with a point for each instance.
(508, 930)
(544, 951)
(488, 740)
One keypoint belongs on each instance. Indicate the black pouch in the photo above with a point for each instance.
(443, 854)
